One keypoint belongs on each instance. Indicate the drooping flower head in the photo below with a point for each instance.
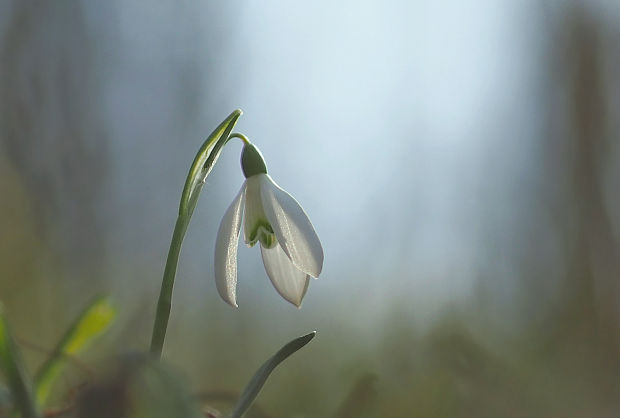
(291, 250)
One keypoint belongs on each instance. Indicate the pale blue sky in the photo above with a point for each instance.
(405, 129)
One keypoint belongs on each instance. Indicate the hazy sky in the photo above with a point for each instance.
(409, 131)
(379, 118)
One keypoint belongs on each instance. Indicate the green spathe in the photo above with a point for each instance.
(252, 161)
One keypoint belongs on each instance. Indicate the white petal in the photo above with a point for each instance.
(226, 250)
(292, 227)
(255, 222)
(290, 282)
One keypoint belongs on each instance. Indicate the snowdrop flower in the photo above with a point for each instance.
(290, 248)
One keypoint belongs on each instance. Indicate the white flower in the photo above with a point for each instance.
(290, 248)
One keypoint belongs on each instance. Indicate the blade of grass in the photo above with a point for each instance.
(13, 369)
(260, 377)
(92, 322)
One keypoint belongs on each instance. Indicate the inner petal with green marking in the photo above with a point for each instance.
(257, 227)
(264, 234)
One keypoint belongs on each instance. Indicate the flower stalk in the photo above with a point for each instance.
(201, 167)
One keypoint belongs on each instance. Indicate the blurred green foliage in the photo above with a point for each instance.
(93, 321)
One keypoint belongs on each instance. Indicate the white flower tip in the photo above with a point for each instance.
(228, 297)
(313, 261)
(226, 288)
(294, 300)
(320, 257)
(295, 303)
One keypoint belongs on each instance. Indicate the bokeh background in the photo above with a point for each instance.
(460, 161)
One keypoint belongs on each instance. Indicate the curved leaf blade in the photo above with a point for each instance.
(260, 377)
(92, 322)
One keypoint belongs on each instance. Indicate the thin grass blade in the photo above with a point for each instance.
(92, 322)
(260, 377)
(12, 367)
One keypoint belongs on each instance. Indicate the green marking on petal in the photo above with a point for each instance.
(263, 232)
(267, 240)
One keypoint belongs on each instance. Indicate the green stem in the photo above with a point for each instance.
(164, 303)
(242, 137)
(201, 167)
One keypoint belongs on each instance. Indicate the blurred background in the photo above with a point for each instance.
(460, 162)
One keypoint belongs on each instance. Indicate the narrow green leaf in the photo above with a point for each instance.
(13, 370)
(92, 322)
(260, 377)
(204, 161)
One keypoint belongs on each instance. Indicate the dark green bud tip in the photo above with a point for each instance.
(252, 161)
